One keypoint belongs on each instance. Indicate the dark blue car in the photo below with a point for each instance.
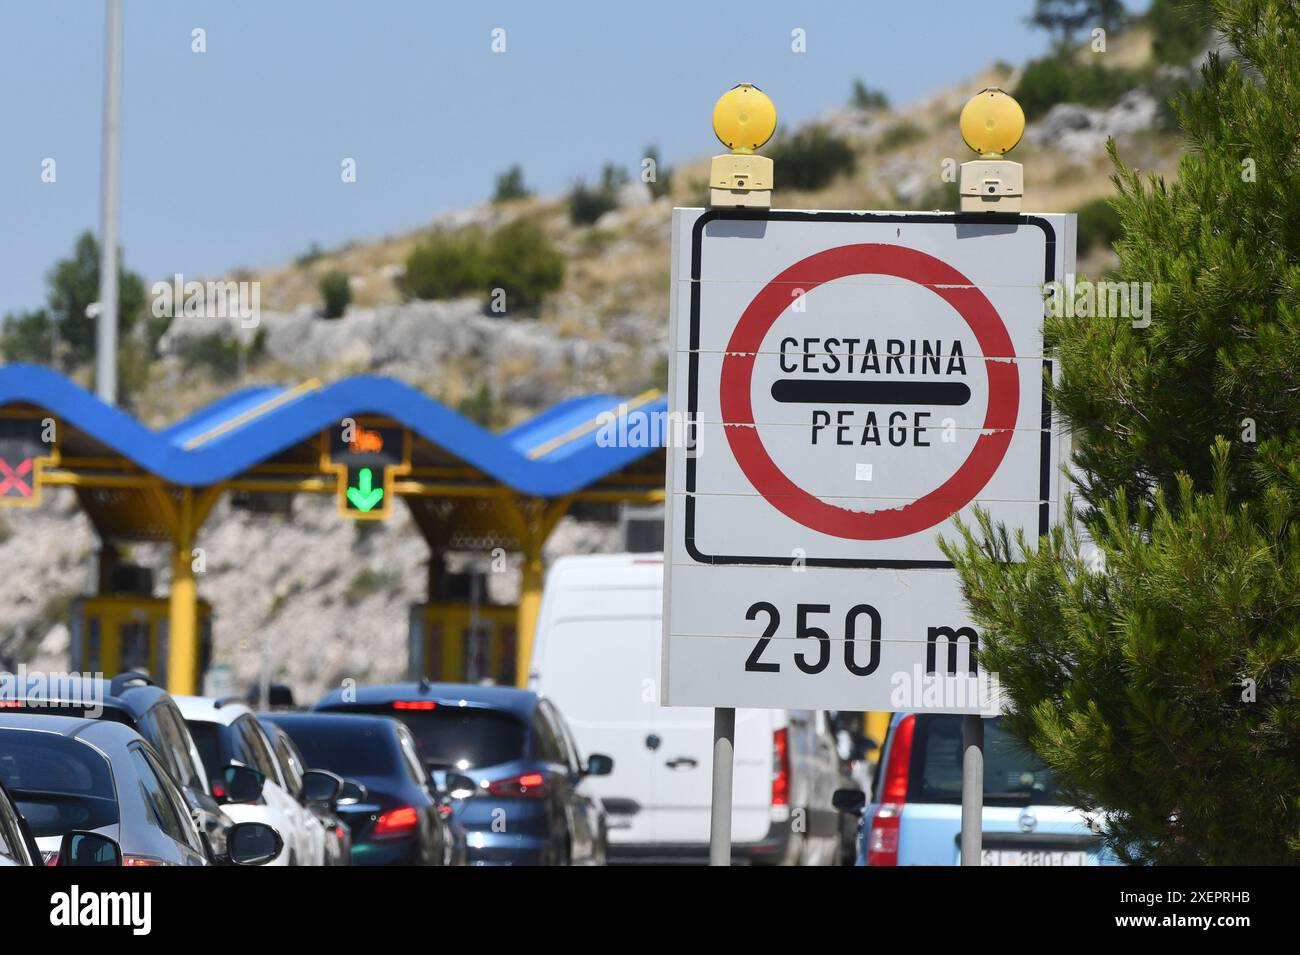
(397, 817)
(528, 804)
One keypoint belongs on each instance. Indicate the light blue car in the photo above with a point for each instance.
(914, 817)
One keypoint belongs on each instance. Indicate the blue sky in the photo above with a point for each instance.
(232, 157)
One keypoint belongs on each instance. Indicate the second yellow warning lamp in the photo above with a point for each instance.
(991, 124)
(744, 118)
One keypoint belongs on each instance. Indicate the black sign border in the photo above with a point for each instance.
(982, 218)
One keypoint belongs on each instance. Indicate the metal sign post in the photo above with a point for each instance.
(106, 332)
(991, 124)
(972, 789)
(724, 751)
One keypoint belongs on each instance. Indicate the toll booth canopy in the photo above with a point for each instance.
(367, 441)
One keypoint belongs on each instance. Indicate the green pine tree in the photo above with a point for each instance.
(73, 283)
(1066, 17)
(1161, 680)
(61, 334)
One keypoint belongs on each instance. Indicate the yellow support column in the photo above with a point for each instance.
(530, 604)
(533, 521)
(876, 726)
(183, 614)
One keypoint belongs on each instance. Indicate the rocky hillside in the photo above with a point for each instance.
(337, 606)
(606, 327)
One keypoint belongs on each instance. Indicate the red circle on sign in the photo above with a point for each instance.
(999, 418)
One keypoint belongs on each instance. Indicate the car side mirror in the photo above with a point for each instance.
(88, 848)
(352, 793)
(459, 786)
(242, 784)
(852, 801)
(321, 786)
(598, 764)
(252, 843)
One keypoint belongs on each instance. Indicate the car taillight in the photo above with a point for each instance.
(780, 768)
(397, 821)
(50, 857)
(415, 705)
(218, 791)
(528, 785)
(141, 860)
(11, 704)
(882, 837)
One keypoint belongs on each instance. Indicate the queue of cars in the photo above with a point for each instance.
(522, 788)
(580, 768)
(226, 733)
(399, 818)
(119, 772)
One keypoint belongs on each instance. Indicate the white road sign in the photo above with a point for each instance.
(854, 380)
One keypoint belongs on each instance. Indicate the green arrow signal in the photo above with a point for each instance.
(365, 496)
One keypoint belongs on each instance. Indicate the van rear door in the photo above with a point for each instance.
(602, 673)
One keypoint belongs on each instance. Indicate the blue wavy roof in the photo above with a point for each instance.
(566, 453)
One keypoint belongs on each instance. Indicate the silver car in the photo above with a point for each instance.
(68, 774)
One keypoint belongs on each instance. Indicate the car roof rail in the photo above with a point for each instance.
(123, 680)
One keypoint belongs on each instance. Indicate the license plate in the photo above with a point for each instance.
(1029, 857)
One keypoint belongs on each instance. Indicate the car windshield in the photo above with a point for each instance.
(58, 783)
(1013, 776)
(346, 748)
(463, 737)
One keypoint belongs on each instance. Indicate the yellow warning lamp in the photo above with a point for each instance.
(992, 123)
(744, 118)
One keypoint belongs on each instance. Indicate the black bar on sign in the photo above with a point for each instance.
(810, 391)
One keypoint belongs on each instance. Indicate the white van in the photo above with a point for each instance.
(596, 654)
